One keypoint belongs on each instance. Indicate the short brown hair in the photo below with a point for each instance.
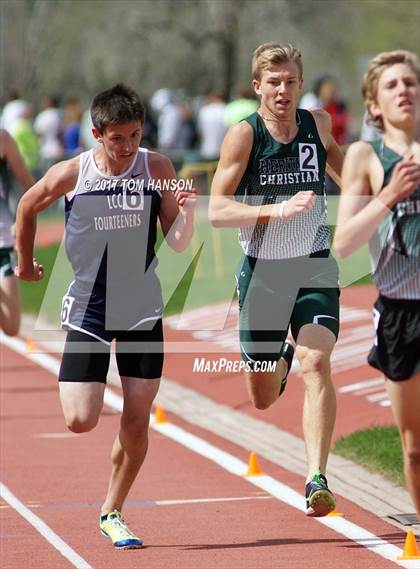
(118, 105)
(376, 67)
(274, 53)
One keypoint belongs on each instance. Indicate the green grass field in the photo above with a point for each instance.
(377, 448)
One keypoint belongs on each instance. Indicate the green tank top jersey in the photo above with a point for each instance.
(276, 172)
(6, 216)
(395, 247)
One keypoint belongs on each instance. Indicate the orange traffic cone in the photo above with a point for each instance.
(411, 551)
(30, 345)
(335, 514)
(253, 466)
(160, 415)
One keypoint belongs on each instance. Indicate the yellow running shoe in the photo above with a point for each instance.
(113, 526)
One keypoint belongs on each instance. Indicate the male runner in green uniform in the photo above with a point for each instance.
(10, 161)
(389, 170)
(270, 183)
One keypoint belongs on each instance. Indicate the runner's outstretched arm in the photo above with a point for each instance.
(59, 180)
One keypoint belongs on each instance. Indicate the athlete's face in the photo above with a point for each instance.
(120, 141)
(279, 88)
(398, 96)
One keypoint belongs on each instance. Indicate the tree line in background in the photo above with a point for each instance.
(77, 47)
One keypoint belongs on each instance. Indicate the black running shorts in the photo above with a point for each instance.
(139, 353)
(7, 261)
(396, 350)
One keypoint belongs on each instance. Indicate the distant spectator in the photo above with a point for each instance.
(87, 140)
(48, 125)
(26, 140)
(149, 129)
(211, 126)
(337, 109)
(169, 119)
(12, 110)
(71, 128)
(244, 105)
(175, 130)
(310, 100)
(325, 96)
(188, 137)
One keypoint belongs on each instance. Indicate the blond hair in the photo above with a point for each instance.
(274, 53)
(376, 67)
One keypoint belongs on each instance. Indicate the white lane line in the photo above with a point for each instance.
(361, 385)
(43, 360)
(161, 502)
(368, 390)
(209, 500)
(235, 466)
(377, 397)
(55, 435)
(56, 541)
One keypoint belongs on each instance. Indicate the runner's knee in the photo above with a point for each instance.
(135, 427)
(313, 361)
(81, 423)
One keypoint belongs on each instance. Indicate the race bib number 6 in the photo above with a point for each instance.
(66, 309)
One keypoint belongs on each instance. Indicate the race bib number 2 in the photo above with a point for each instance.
(66, 309)
(308, 157)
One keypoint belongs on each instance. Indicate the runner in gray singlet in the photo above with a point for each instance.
(111, 221)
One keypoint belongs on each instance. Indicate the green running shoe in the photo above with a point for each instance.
(319, 499)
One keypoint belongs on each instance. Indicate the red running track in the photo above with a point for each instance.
(62, 479)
